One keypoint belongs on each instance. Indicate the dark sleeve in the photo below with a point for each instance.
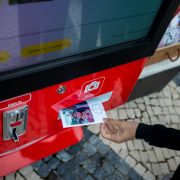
(158, 135)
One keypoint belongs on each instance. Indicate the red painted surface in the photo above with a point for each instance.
(45, 134)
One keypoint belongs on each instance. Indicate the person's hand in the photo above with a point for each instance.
(118, 131)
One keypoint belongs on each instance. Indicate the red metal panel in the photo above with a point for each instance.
(45, 134)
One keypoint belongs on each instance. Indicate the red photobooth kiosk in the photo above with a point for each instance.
(54, 54)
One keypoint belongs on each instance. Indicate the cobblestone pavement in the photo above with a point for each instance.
(97, 158)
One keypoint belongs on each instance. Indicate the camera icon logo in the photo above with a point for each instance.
(91, 88)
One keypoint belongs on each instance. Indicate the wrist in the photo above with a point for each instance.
(132, 129)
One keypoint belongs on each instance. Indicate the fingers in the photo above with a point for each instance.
(106, 133)
(113, 125)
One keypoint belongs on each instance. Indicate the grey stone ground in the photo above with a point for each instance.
(96, 158)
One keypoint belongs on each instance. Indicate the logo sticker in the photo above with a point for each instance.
(91, 88)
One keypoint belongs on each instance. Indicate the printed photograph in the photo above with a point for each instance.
(77, 115)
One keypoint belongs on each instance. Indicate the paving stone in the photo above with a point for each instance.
(130, 113)
(161, 102)
(135, 155)
(166, 153)
(178, 89)
(167, 118)
(154, 95)
(112, 158)
(10, 176)
(53, 163)
(156, 169)
(177, 160)
(33, 176)
(90, 149)
(115, 146)
(157, 110)
(47, 158)
(79, 173)
(133, 175)
(82, 142)
(146, 120)
(145, 115)
(174, 126)
(154, 102)
(94, 128)
(148, 166)
(172, 153)
(44, 171)
(130, 145)
(122, 114)
(89, 178)
(161, 119)
(149, 111)
(68, 176)
(140, 169)
(159, 154)
(115, 176)
(138, 144)
(175, 118)
(164, 168)
(126, 106)
(103, 149)
(100, 174)
(154, 120)
(177, 109)
(168, 102)
(137, 113)
(90, 165)
(94, 140)
(74, 150)
(37, 165)
(172, 84)
(99, 159)
(132, 104)
(113, 114)
(54, 176)
(87, 133)
(177, 153)
(172, 164)
(152, 156)
(147, 146)
(148, 176)
(122, 106)
(139, 100)
(123, 146)
(65, 167)
(63, 156)
(81, 157)
(108, 168)
(146, 100)
(123, 153)
(143, 156)
(142, 107)
(26, 171)
(167, 93)
(175, 95)
(19, 176)
(131, 161)
(123, 167)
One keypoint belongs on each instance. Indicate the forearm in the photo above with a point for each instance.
(159, 135)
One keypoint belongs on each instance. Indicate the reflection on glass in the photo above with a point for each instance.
(34, 31)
